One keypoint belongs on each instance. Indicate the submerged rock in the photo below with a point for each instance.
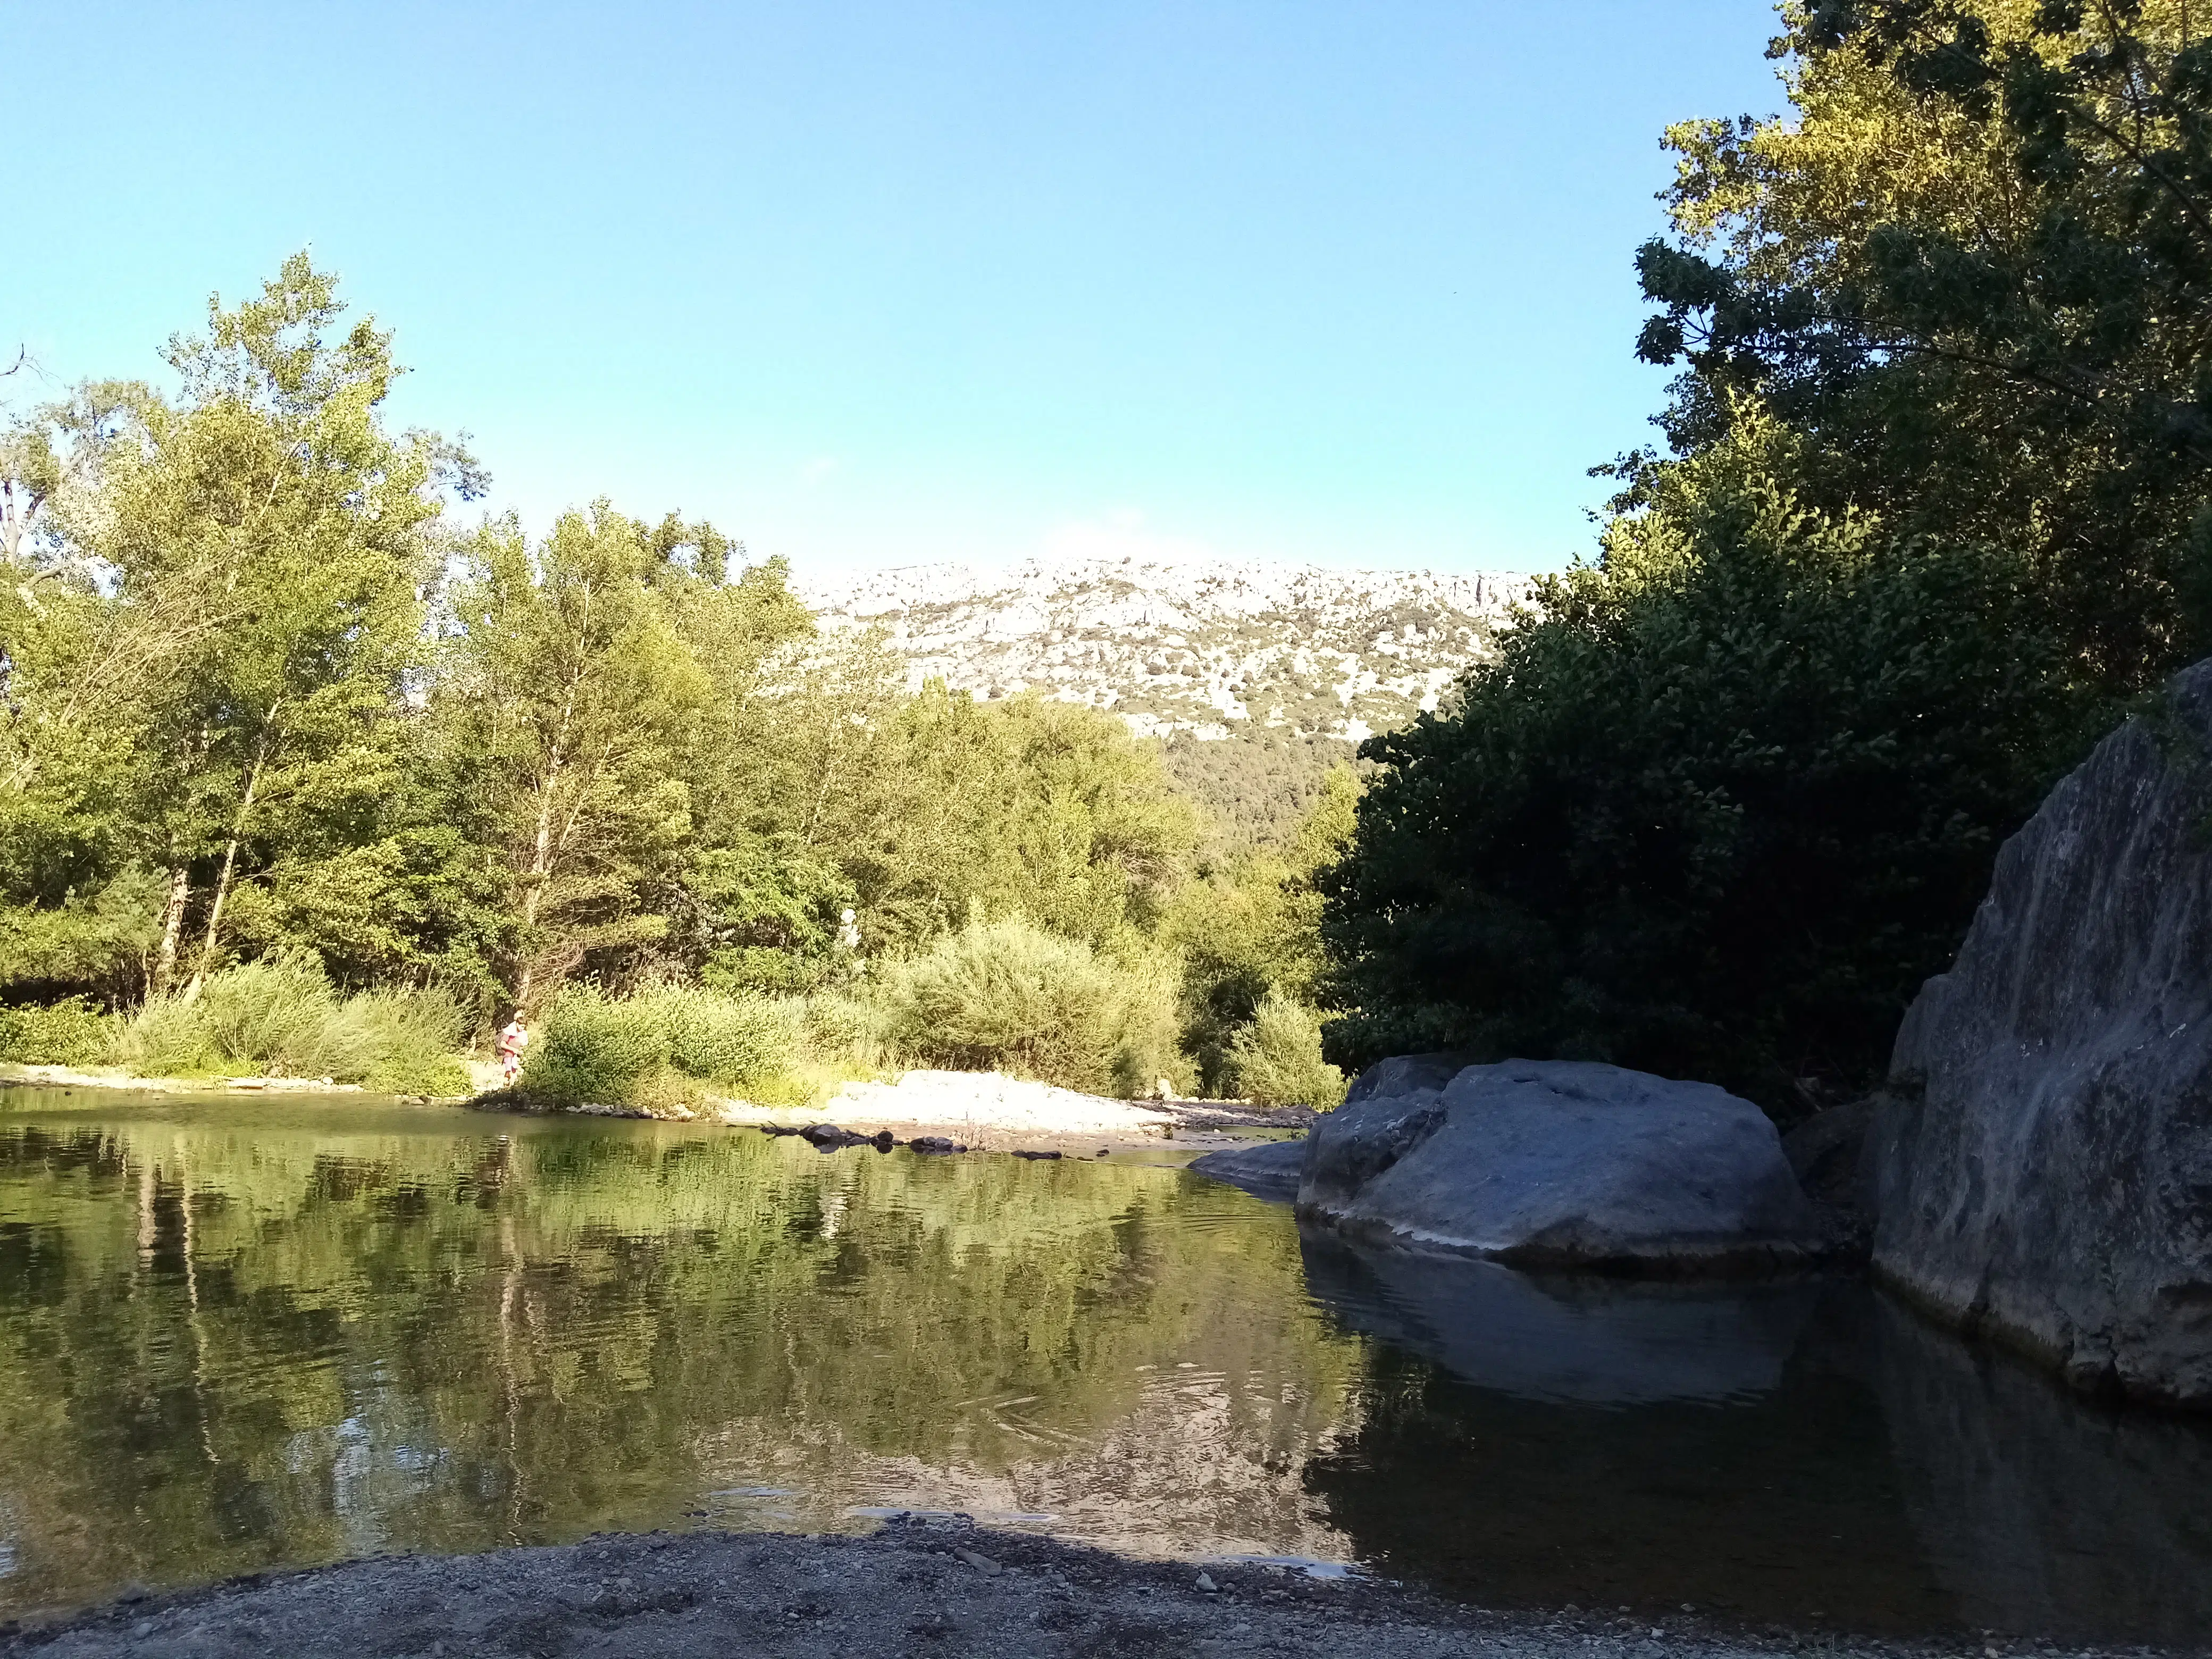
(1564, 1164)
(1569, 1338)
(2042, 1169)
(1268, 1168)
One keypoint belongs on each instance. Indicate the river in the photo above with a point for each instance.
(236, 1334)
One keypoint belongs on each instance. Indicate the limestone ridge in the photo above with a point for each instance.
(1202, 649)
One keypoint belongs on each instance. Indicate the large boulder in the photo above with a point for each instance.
(2042, 1169)
(1565, 1163)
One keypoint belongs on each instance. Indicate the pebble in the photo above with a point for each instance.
(1206, 1582)
(983, 1564)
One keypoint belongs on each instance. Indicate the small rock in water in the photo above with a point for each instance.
(1688, 1607)
(983, 1564)
(930, 1144)
(1102, 1151)
(1023, 1154)
(1206, 1582)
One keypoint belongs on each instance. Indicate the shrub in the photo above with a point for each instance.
(276, 1014)
(1276, 1060)
(411, 1038)
(71, 1032)
(659, 1047)
(593, 1049)
(280, 1017)
(730, 1040)
(1008, 996)
(1148, 1026)
(165, 1038)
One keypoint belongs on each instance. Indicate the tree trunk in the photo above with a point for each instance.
(539, 871)
(172, 929)
(222, 885)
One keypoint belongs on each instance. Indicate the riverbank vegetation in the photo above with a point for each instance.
(1935, 511)
(301, 772)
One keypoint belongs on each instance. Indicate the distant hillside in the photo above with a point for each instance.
(1257, 677)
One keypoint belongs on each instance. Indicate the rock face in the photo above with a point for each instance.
(2042, 1169)
(1557, 1164)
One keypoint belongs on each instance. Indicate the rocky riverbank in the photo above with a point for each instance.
(917, 1587)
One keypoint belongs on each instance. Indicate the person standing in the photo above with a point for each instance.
(512, 1038)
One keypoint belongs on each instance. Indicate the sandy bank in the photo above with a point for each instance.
(987, 1112)
(981, 1111)
(913, 1588)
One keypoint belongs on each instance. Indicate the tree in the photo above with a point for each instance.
(1973, 270)
(260, 545)
(570, 692)
(1718, 808)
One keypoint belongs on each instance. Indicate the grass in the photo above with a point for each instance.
(666, 1046)
(281, 1017)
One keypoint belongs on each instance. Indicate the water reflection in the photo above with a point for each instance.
(241, 1335)
(247, 1333)
(1763, 1451)
(1573, 1338)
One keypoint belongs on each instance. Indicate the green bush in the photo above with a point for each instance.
(1719, 811)
(278, 1014)
(1008, 996)
(71, 1032)
(1276, 1060)
(280, 1017)
(658, 1047)
(730, 1040)
(410, 1040)
(591, 1049)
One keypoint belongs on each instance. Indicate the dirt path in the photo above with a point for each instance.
(915, 1588)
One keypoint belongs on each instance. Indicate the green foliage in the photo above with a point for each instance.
(71, 1032)
(1276, 1060)
(591, 1048)
(1973, 268)
(1720, 811)
(595, 1048)
(728, 1040)
(280, 1017)
(1252, 924)
(1008, 996)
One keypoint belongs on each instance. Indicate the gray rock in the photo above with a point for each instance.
(1557, 1164)
(2042, 1169)
(1267, 1169)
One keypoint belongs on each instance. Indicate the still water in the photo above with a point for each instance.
(235, 1334)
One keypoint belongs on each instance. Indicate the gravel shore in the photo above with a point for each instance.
(914, 1588)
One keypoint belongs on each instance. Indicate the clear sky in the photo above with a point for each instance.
(868, 284)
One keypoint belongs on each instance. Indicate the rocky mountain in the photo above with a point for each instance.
(1257, 676)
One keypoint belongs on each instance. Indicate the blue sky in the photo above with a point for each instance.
(872, 284)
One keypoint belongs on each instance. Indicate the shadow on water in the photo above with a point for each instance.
(1764, 1452)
